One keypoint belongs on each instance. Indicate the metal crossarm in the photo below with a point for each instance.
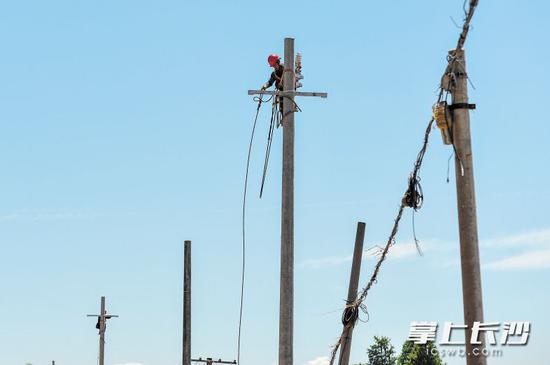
(287, 93)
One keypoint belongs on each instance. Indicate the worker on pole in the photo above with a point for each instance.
(277, 75)
(276, 78)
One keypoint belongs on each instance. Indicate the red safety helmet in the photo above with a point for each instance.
(273, 59)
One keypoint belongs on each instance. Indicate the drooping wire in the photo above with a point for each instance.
(296, 107)
(243, 267)
(416, 241)
(449, 165)
(410, 197)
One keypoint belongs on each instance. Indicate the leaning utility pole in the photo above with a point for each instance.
(348, 320)
(186, 355)
(286, 308)
(466, 201)
(101, 326)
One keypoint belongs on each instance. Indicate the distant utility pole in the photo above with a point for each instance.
(286, 316)
(466, 201)
(210, 361)
(348, 320)
(186, 356)
(101, 326)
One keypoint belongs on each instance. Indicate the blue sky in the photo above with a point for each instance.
(124, 128)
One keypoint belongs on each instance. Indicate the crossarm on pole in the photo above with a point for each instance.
(287, 93)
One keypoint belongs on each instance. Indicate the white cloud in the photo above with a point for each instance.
(130, 363)
(536, 259)
(404, 250)
(321, 360)
(397, 251)
(536, 237)
(324, 262)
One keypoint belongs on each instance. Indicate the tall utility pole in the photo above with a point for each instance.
(101, 326)
(466, 201)
(186, 355)
(286, 308)
(348, 323)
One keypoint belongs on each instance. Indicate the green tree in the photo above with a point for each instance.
(381, 352)
(416, 354)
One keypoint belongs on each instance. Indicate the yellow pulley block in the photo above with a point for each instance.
(443, 118)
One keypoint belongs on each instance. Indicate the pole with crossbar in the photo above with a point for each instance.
(101, 326)
(286, 307)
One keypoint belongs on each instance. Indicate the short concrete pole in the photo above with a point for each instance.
(345, 347)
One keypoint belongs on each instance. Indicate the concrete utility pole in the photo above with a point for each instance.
(466, 200)
(345, 347)
(102, 333)
(186, 356)
(286, 308)
(101, 326)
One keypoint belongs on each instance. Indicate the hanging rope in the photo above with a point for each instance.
(413, 198)
(243, 258)
(275, 121)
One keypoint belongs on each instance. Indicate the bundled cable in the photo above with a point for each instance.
(274, 122)
(413, 198)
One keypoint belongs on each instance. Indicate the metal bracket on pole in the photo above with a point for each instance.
(462, 106)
